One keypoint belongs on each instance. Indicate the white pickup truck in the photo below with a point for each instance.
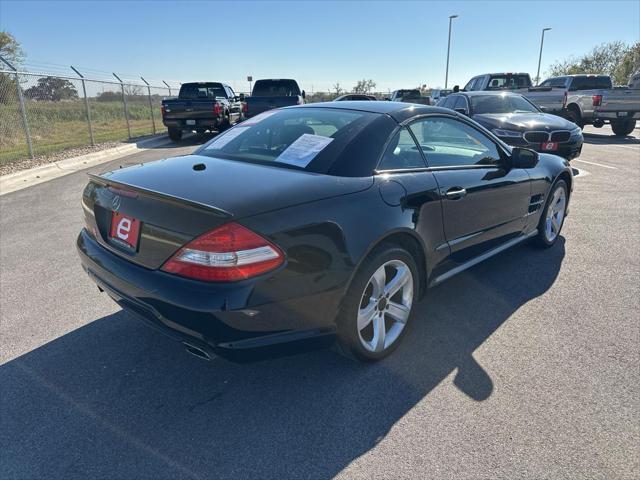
(583, 99)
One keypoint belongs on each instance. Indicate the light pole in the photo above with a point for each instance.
(540, 56)
(446, 78)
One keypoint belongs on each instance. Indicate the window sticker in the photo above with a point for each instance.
(222, 140)
(303, 150)
(260, 117)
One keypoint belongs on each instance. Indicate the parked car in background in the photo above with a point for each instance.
(258, 241)
(592, 100)
(201, 106)
(438, 94)
(584, 99)
(517, 121)
(634, 80)
(348, 97)
(273, 93)
(411, 95)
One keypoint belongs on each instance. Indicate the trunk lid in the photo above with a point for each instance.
(175, 202)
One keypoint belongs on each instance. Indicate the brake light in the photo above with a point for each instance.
(217, 109)
(564, 100)
(162, 110)
(597, 100)
(245, 108)
(226, 254)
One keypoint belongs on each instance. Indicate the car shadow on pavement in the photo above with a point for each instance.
(607, 139)
(188, 139)
(115, 399)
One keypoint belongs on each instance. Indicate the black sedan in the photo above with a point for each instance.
(311, 223)
(517, 121)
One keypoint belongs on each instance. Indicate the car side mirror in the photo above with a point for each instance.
(463, 111)
(241, 97)
(524, 157)
(543, 109)
(387, 99)
(304, 95)
(456, 88)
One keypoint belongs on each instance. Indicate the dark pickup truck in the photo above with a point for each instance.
(201, 106)
(273, 93)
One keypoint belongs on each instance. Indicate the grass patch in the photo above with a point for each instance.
(57, 126)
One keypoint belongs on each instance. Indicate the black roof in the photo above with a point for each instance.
(400, 111)
(476, 93)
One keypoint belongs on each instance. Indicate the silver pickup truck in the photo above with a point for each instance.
(583, 99)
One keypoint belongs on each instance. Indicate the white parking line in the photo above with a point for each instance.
(594, 163)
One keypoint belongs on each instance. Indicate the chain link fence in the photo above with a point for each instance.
(43, 113)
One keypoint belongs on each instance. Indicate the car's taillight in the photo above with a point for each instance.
(564, 100)
(245, 107)
(597, 100)
(226, 254)
(162, 110)
(217, 109)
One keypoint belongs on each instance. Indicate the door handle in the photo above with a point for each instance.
(455, 193)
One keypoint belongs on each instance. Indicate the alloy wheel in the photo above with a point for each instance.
(555, 214)
(385, 306)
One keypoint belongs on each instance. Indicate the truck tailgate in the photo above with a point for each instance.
(180, 109)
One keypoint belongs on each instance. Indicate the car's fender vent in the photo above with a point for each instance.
(535, 203)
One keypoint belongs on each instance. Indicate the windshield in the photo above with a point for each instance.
(302, 138)
(276, 88)
(193, 91)
(501, 104)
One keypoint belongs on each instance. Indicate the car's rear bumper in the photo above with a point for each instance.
(219, 318)
(616, 116)
(198, 123)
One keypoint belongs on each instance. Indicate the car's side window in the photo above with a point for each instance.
(469, 86)
(448, 142)
(449, 101)
(401, 153)
(461, 102)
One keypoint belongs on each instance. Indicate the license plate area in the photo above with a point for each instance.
(124, 231)
(191, 122)
(549, 146)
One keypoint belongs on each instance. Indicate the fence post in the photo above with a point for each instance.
(86, 106)
(153, 120)
(23, 110)
(167, 87)
(124, 101)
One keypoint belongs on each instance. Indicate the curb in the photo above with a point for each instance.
(27, 178)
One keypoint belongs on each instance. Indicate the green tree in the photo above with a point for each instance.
(629, 64)
(11, 51)
(52, 89)
(604, 59)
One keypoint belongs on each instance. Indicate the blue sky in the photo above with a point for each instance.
(397, 44)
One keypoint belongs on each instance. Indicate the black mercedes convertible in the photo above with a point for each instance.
(314, 225)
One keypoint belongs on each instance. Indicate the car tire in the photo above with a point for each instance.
(553, 215)
(573, 114)
(225, 124)
(622, 128)
(175, 134)
(360, 339)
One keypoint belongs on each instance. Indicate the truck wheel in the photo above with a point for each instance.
(225, 124)
(175, 134)
(622, 128)
(573, 114)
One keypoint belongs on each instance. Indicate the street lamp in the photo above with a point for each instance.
(446, 78)
(540, 56)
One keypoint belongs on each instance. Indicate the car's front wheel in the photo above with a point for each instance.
(553, 215)
(378, 305)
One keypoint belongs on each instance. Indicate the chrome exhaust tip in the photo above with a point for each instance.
(196, 351)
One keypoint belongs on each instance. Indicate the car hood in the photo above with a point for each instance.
(239, 188)
(524, 121)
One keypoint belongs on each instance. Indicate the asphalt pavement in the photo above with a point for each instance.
(526, 366)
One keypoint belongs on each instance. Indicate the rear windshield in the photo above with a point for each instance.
(193, 91)
(311, 139)
(590, 83)
(508, 81)
(275, 88)
(501, 104)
